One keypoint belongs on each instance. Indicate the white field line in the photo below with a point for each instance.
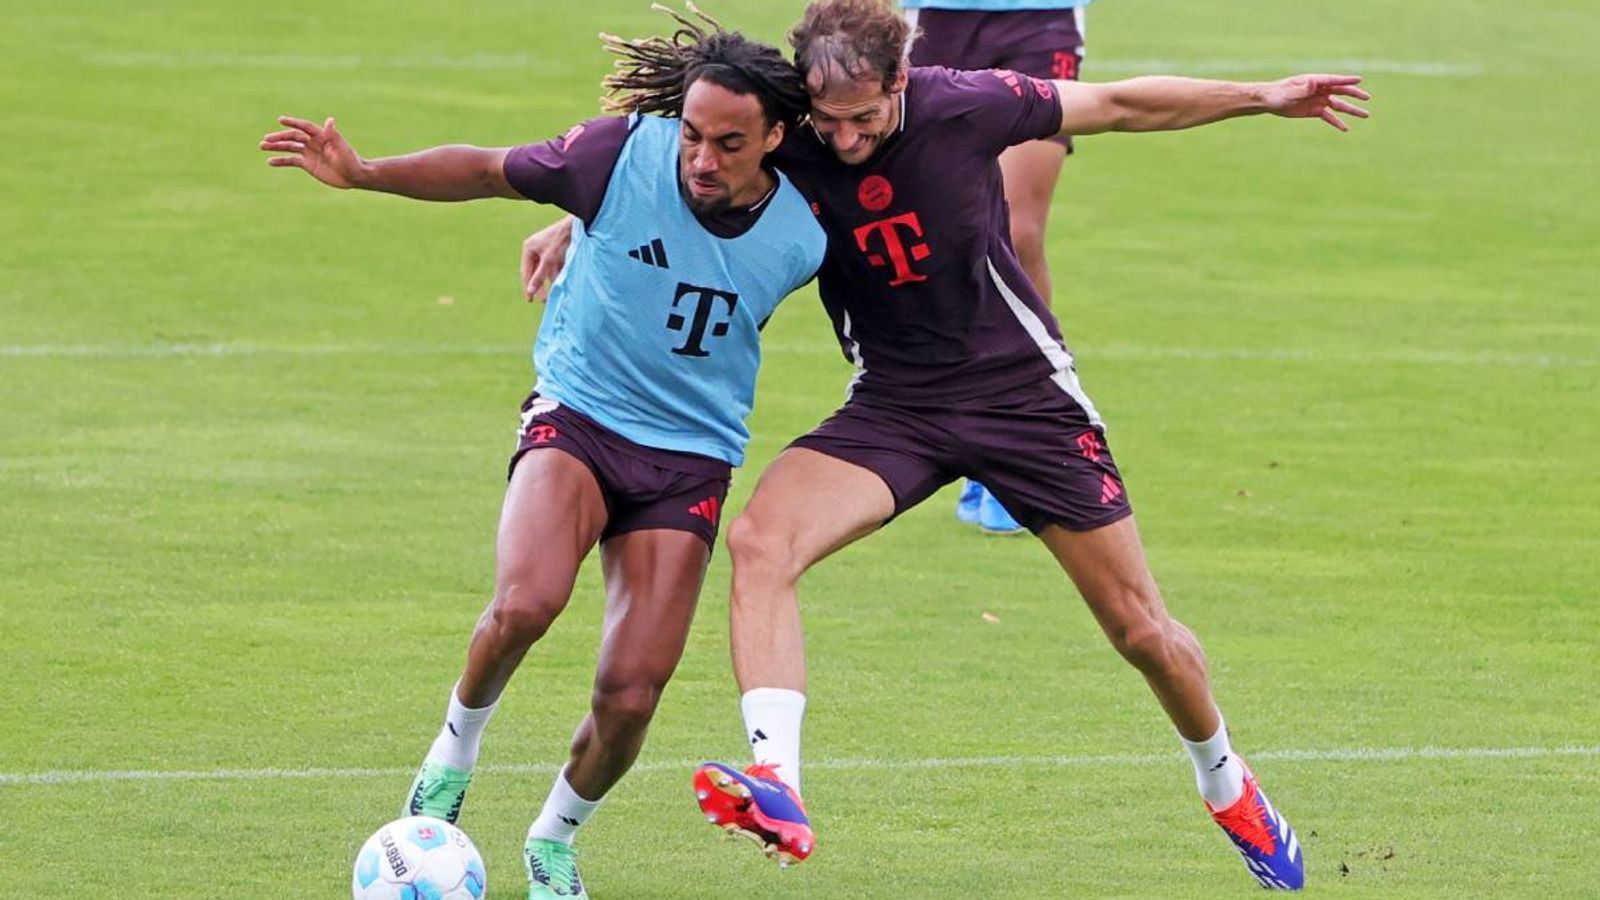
(1414, 357)
(1350, 754)
(1486, 358)
(162, 350)
(353, 61)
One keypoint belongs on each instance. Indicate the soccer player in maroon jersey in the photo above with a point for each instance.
(960, 371)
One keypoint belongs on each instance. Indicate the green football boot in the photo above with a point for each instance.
(438, 791)
(552, 871)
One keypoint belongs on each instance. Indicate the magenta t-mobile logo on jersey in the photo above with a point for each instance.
(897, 252)
(700, 319)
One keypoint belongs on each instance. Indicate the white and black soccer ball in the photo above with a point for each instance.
(419, 858)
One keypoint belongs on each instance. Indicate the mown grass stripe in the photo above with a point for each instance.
(1346, 754)
(1486, 358)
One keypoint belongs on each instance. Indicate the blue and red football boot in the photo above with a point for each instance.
(756, 804)
(1263, 837)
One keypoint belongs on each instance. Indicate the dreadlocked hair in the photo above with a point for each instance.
(653, 74)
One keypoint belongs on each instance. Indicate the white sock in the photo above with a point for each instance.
(1217, 770)
(772, 723)
(563, 812)
(457, 743)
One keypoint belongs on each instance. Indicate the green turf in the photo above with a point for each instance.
(252, 436)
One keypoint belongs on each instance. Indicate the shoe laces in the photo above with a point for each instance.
(442, 784)
(437, 779)
(768, 771)
(1247, 820)
(555, 864)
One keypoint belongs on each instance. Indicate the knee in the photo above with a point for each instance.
(1027, 238)
(523, 613)
(757, 550)
(1145, 641)
(626, 705)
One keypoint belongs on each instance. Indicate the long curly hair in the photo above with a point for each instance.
(653, 74)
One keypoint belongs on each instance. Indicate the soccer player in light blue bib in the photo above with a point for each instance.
(647, 361)
(684, 378)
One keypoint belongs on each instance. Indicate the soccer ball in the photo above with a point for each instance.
(418, 858)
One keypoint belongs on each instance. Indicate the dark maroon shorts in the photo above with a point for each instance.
(1035, 450)
(1044, 43)
(643, 487)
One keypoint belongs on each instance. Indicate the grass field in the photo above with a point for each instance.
(252, 435)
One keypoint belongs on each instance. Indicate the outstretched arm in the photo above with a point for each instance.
(454, 172)
(1163, 103)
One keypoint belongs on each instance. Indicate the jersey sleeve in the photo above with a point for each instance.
(1000, 107)
(571, 171)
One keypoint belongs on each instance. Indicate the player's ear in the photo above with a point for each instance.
(774, 137)
(901, 79)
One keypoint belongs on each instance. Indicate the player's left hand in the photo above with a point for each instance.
(1317, 97)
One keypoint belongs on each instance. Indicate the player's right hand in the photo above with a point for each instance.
(319, 149)
(543, 254)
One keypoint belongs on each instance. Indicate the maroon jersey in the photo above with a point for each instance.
(571, 171)
(925, 292)
(574, 170)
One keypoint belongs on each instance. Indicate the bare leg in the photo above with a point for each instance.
(1109, 569)
(1108, 566)
(653, 581)
(536, 562)
(1031, 171)
(806, 506)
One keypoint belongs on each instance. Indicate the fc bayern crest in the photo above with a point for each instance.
(875, 193)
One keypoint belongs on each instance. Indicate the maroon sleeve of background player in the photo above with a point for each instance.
(570, 171)
(1002, 107)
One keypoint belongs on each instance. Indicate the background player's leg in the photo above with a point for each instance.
(1031, 172)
